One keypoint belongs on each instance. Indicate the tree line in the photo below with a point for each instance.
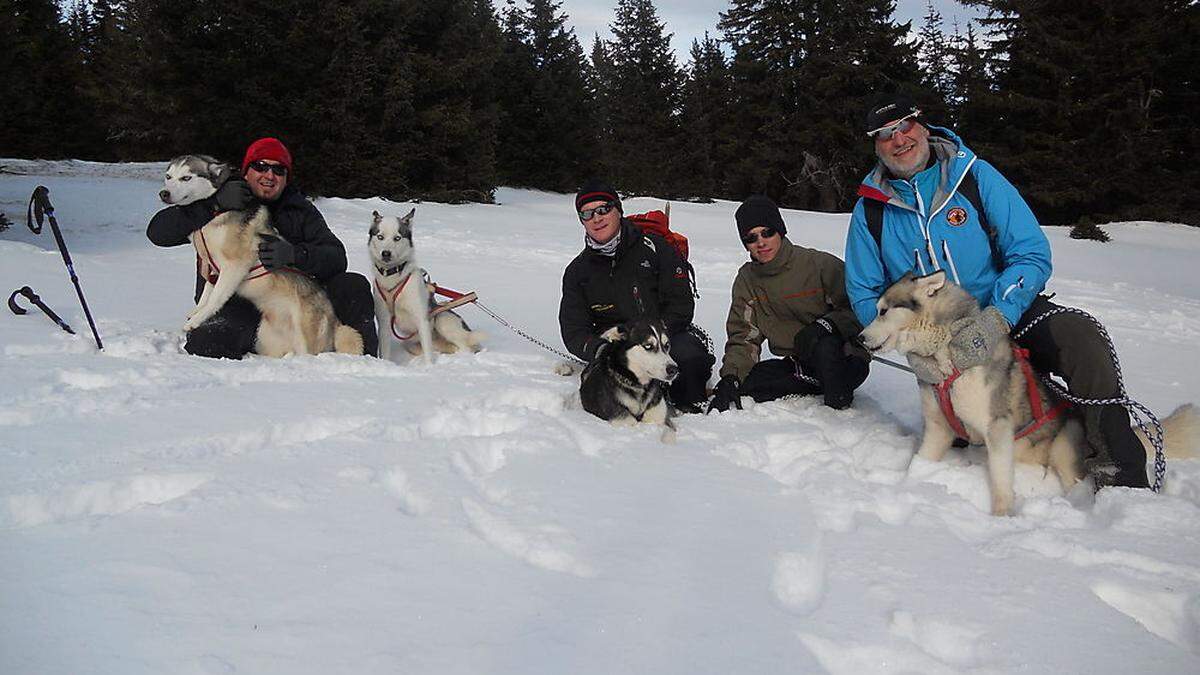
(1090, 108)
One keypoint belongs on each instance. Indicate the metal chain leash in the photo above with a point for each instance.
(499, 319)
(1136, 410)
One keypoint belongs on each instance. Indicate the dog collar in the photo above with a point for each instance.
(389, 271)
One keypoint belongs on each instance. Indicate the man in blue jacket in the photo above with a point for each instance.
(930, 204)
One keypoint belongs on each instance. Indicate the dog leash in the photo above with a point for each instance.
(1136, 410)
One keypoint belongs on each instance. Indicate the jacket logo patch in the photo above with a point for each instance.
(956, 216)
(646, 264)
(602, 308)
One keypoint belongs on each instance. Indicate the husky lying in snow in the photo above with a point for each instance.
(297, 317)
(627, 381)
(992, 400)
(404, 310)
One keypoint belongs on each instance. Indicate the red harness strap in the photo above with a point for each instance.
(255, 272)
(1040, 415)
(390, 298)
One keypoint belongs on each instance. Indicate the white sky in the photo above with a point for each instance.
(688, 19)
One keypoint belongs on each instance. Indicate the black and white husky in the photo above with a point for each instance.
(627, 381)
(404, 307)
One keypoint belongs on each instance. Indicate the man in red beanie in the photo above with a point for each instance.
(306, 244)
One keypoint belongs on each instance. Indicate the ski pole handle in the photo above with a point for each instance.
(12, 300)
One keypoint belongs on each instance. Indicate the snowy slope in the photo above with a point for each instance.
(167, 514)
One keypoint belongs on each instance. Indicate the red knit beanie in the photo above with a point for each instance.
(267, 148)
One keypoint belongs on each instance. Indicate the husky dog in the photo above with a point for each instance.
(297, 317)
(627, 381)
(403, 309)
(992, 400)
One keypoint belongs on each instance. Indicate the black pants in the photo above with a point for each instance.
(1071, 346)
(695, 367)
(838, 374)
(232, 332)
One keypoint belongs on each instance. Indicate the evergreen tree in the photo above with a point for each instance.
(934, 54)
(705, 121)
(39, 78)
(547, 138)
(1081, 129)
(804, 72)
(970, 93)
(643, 110)
(602, 84)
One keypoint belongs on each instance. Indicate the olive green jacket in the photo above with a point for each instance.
(776, 299)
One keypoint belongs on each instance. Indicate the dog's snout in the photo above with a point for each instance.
(165, 196)
(672, 371)
(385, 254)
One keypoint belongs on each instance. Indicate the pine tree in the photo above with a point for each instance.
(643, 116)
(934, 54)
(804, 72)
(547, 138)
(39, 78)
(1080, 130)
(970, 93)
(706, 121)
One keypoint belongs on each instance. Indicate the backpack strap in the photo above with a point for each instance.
(969, 188)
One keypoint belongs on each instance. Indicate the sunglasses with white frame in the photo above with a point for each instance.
(902, 125)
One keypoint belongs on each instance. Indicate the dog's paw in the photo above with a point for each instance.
(613, 334)
(669, 436)
(1002, 505)
(565, 368)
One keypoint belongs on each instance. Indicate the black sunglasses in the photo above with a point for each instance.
(767, 233)
(601, 210)
(262, 167)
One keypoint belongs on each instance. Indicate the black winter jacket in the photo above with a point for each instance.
(319, 252)
(644, 279)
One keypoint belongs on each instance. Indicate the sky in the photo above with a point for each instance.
(688, 19)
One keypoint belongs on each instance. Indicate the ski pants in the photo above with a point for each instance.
(838, 373)
(1071, 346)
(695, 366)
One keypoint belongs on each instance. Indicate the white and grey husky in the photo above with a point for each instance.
(991, 402)
(297, 317)
(627, 381)
(404, 306)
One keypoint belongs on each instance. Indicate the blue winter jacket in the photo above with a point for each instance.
(928, 226)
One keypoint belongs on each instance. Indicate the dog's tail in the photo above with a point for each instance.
(1181, 434)
(346, 340)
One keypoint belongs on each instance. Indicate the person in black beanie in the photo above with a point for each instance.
(795, 299)
(624, 274)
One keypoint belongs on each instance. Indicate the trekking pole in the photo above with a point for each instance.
(33, 297)
(39, 204)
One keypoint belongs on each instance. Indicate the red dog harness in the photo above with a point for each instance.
(215, 272)
(1040, 415)
(390, 298)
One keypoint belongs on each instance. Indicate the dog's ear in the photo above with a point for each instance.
(220, 172)
(933, 283)
(613, 334)
(407, 220)
(375, 217)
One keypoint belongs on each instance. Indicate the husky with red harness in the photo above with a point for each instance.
(1000, 402)
(297, 316)
(404, 305)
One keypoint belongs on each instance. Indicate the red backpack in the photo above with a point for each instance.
(659, 222)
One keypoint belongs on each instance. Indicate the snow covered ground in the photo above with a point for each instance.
(161, 513)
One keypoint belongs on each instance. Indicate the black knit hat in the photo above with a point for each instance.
(595, 190)
(758, 211)
(889, 108)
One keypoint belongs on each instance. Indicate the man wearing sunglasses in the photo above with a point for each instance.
(621, 275)
(930, 204)
(795, 299)
(306, 244)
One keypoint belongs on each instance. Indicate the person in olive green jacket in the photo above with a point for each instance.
(795, 299)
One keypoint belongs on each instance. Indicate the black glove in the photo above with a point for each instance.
(725, 394)
(808, 337)
(275, 253)
(234, 195)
